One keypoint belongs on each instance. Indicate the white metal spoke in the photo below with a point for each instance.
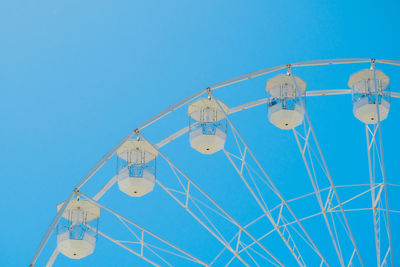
(383, 171)
(187, 208)
(126, 248)
(357, 196)
(223, 249)
(308, 162)
(307, 123)
(143, 244)
(52, 258)
(262, 256)
(167, 251)
(267, 213)
(313, 179)
(143, 230)
(378, 183)
(195, 186)
(158, 256)
(329, 210)
(105, 188)
(351, 258)
(189, 197)
(295, 252)
(210, 222)
(251, 257)
(99, 164)
(385, 258)
(376, 173)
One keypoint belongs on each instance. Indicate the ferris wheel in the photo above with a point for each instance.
(235, 207)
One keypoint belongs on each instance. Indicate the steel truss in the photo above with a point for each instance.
(378, 184)
(141, 238)
(378, 191)
(243, 170)
(189, 187)
(381, 206)
(309, 155)
(332, 209)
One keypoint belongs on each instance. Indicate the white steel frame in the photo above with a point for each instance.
(374, 148)
(309, 164)
(285, 233)
(215, 233)
(376, 164)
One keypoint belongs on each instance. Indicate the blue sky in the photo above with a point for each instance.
(77, 76)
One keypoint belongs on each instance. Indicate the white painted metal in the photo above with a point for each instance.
(286, 119)
(284, 109)
(135, 186)
(395, 94)
(217, 207)
(282, 86)
(366, 112)
(205, 110)
(172, 137)
(378, 176)
(52, 258)
(207, 135)
(76, 248)
(207, 143)
(50, 229)
(78, 210)
(105, 188)
(328, 92)
(144, 230)
(368, 88)
(162, 143)
(183, 102)
(299, 64)
(293, 250)
(135, 178)
(263, 206)
(137, 151)
(73, 243)
(213, 231)
(315, 184)
(363, 81)
(101, 162)
(329, 210)
(128, 249)
(309, 128)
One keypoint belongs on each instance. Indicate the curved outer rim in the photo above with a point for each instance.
(184, 101)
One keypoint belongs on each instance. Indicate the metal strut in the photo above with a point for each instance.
(380, 209)
(179, 104)
(315, 184)
(277, 192)
(194, 185)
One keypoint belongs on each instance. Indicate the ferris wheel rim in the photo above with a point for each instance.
(172, 108)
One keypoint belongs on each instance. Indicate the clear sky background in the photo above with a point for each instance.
(78, 76)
